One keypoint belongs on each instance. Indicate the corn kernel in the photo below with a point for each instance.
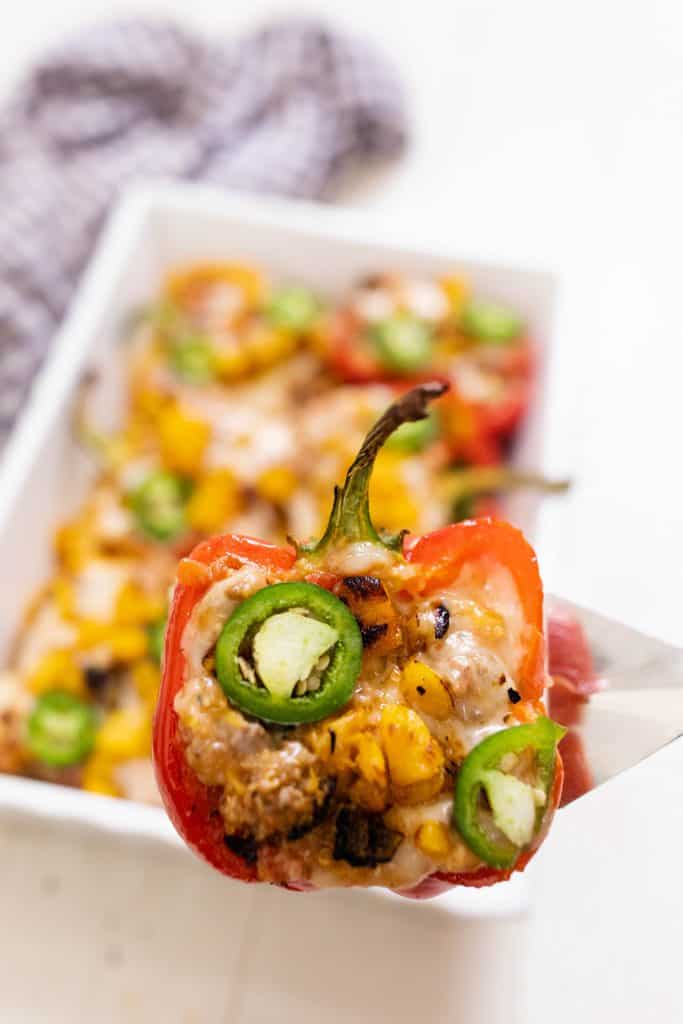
(267, 346)
(232, 363)
(390, 499)
(98, 776)
(126, 643)
(424, 690)
(63, 593)
(277, 484)
(414, 757)
(433, 839)
(135, 607)
(370, 761)
(148, 401)
(213, 502)
(183, 440)
(458, 291)
(146, 680)
(124, 734)
(57, 670)
(73, 545)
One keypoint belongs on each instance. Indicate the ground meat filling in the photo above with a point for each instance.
(364, 796)
(271, 786)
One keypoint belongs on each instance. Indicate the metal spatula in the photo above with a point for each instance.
(640, 709)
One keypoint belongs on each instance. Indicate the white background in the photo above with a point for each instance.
(551, 133)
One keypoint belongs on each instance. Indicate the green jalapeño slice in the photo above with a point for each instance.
(290, 653)
(60, 729)
(158, 505)
(503, 790)
(403, 343)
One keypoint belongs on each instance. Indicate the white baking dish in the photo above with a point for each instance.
(44, 475)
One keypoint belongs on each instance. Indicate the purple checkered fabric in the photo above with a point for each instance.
(282, 110)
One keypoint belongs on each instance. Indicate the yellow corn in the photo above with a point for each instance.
(57, 670)
(458, 291)
(148, 401)
(433, 839)
(135, 607)
(268, 345)
(126, 643)
(146, 680)
(182, 439)
(232, 363)
(413, 755)
(98, 776)
(63, 593)
(213, 502)
(391, 502)
(124, 734)
(370, 761)
(73, 545)
(424, 690)
(276, 484)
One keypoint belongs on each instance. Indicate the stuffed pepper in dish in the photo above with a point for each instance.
(365, 710)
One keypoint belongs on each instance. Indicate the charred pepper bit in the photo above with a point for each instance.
(498, 814)
(362, 839)
(350, 520)
(442, 621)
(416, 763)
(245, 847)
(371, 605)
(424, 690)
(301, 670)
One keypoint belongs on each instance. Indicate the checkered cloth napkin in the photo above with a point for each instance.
(281, 110)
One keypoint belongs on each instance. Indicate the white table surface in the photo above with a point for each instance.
(547, 133)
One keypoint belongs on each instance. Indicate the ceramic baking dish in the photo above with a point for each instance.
(44, 475)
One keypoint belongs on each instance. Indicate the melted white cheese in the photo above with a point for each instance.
(211, 613)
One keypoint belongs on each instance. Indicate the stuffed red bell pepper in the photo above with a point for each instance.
(364, 710)
(401, 328)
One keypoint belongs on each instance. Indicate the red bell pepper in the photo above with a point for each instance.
(193, 807)
(480, 425)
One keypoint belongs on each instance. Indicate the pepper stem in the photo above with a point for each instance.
(350, 516)
(474, 481)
